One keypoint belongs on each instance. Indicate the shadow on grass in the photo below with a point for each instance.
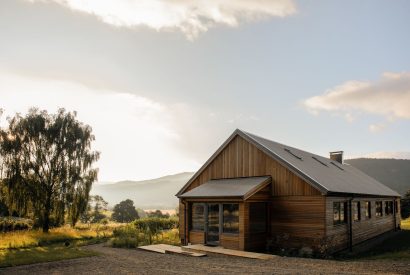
(14, 257)
(395, 248)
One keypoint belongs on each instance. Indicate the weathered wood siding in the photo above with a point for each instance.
(297, 221)
(229, 241)
(364, 229)
(182, 224)
(196, 237)
(242, 159)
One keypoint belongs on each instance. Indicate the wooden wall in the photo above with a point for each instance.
(242, 159)
(196, 237)
(297, 221)
(338, 235)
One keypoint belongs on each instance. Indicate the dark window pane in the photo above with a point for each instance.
(231, 218)
(336, 212)
(379, 209)
(339, 212)
(257, 217)
(198, 216)
(368, 209)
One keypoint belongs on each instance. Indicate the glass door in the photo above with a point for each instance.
(212, 236)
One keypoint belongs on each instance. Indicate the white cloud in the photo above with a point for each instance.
(192, 17)
(388, 97)
(135, 135)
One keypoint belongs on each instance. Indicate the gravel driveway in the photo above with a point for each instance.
(130, 261)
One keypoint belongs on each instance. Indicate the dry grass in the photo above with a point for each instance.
(405, 224)
(33, 238)
(14, 257)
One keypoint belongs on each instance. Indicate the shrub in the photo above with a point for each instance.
(15, 224)
(126, 237)
(155, 224)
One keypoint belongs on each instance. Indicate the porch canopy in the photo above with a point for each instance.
(242, 188)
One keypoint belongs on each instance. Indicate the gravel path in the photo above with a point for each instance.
(130, 261)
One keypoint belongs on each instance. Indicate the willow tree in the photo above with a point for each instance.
(48, 165)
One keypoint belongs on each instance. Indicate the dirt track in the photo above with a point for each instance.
(125, 261)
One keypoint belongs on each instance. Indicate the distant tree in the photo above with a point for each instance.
(48, 165)
(405, 205)
(100, 205)
(125, 212)
(157, 214)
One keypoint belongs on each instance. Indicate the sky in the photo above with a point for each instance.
(164, 83)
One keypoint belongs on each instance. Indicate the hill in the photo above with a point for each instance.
(159, 193)
(148, 194)
(394, 173)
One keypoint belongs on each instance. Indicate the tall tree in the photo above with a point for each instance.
(48, 165)
(125, 211)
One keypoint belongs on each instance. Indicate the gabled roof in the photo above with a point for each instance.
(235, 188)
(327, 176)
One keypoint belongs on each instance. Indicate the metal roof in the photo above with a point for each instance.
(236, 187)
(322, 173)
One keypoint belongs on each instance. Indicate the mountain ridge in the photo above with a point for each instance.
(160, 193)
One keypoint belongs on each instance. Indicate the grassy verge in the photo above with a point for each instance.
(34, 246)
(14, 257)
(395, 248)
(34, 238)
(130, 237)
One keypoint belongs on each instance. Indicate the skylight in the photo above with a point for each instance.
(290, 152)
(321, 162)
(337, 166)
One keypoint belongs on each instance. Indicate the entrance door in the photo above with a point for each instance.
(212, 236)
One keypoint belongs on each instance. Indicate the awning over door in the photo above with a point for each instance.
(228, 188)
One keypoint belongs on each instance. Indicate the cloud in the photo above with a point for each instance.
(389, 97)
(136, 136)
(191, 17)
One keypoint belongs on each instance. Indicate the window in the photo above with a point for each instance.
(388, 207)
(356, 210)
(231, 218)
(339, 212)
(257, 217)
(198, 216)
(368, 206)
(379, 209)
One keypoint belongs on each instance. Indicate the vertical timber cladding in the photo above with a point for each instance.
(182, 226)
(298, 209)
(365, 228)
(242, 159)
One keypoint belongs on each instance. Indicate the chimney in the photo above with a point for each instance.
(337, 156)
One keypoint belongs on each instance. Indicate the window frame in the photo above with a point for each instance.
(379, 209)
(368, 213)
(223, 219)
(338, 206)
(203, 218)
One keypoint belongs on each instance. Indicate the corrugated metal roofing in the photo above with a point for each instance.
(237, 187)
(330, 175)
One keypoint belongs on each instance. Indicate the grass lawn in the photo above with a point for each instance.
(395, 248)
(34, 246)
(13, 257)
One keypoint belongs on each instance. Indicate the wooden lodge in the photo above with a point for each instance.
(254, 194)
